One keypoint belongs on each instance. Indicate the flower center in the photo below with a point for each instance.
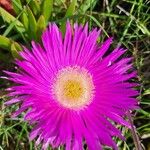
(73, 90)
(73, 87)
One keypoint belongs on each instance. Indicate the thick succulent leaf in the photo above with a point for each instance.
(70, 11)
(35, 6)
(41, 25)
(25, 20)
(47, 7)
(15, 48)
(5, 42)
(10, 45)
(32, 24)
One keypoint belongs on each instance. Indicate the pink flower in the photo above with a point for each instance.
(73, 89)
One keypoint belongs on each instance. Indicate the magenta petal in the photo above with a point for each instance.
(106, 82)
(12, 101)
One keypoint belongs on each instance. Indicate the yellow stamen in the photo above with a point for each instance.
(73, 87)
(73, 90)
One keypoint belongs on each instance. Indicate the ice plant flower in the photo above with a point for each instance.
(73, 90)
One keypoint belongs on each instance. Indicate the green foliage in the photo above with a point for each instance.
(70, 12)
(32, 24)
(25, 20)
(15, 48)
(17, 6)
(35, 6)
(41, 25)
(11, 20)
(86, 4)
(5, 42)
(47, 8)
(8, 44)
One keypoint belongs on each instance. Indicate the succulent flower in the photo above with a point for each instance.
(71, 91)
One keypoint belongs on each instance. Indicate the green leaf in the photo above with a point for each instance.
(24, 19)
(143, 28)
(146, 92)
(98, 24)
(35, 6)
(70, 11)
(8, 44)
(32, 24)
(41, 25)
(15, 48)
(28, 1)
(143, 112)
(47, 7)
(5, 42)
(86, 5)
(7, 17)
(17, 6)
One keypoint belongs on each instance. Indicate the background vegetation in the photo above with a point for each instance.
(128, 21)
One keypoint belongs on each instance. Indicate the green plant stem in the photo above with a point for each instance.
(136, 140)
